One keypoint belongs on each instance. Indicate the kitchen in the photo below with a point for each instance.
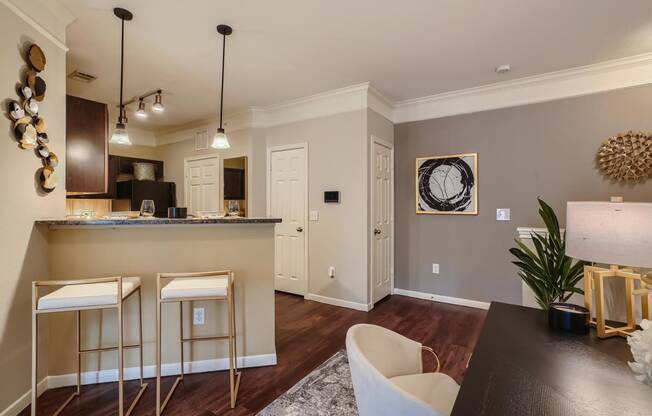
(146, 209)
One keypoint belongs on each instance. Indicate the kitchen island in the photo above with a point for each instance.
(80, 249)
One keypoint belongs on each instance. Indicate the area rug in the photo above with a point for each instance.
(326, 391)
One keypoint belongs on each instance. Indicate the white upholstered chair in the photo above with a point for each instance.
(388, 377)
(87, 295)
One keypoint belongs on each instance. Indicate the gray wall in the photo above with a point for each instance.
(545, 150)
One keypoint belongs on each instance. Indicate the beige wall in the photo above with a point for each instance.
(146, 251)
(337, 161)
(24, 248)
(173, 156)
(545, 150)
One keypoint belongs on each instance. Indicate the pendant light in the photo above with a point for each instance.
(120, 135)
(220, 141)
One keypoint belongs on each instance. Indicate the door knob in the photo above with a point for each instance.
(300, 229)
(376, 231)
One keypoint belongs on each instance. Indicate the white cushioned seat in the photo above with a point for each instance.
(436, 389)
(189, 287)
(87, 294)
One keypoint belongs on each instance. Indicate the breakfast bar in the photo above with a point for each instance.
(80, 249)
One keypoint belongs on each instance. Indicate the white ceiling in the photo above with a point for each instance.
(287, 49)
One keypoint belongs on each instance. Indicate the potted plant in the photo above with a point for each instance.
(547, 270)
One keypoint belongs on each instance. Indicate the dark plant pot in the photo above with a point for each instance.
(566, 317)
(177, 212)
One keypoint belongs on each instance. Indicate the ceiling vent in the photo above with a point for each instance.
(82, 76)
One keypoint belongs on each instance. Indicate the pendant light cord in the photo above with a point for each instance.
(122, 59)
(222, 86)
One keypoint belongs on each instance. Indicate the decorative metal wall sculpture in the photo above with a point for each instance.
(447, 184)
(627, 156)
(30, 128)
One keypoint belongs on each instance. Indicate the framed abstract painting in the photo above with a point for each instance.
(447, 184)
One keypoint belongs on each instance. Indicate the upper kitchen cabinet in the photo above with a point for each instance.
(86, 146)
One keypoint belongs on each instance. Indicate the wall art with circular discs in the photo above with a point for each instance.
(30, 128)
(447, 184)
(626, 156)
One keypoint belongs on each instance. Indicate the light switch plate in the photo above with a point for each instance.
(503, 214)
(198, 316)
(435, 268)
(314, 215)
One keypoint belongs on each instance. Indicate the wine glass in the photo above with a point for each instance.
(234, 208)
(147, 208)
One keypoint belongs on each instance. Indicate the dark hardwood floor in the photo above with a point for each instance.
(307, 334)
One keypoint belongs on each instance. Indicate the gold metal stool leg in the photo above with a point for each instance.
(234, 374)
(143, 385)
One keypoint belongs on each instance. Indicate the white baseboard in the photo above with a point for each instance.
(24, 400)
(132, 373)
(441, 298)
(149, 371)
(339, 302)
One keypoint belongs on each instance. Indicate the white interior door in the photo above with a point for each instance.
(287, 200)
(382, 189)
(202, 184)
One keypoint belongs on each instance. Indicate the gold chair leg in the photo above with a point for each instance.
(181, 335)
(143, 385)
(78, 353)
(34, 355)
(158, 350)
(120, 356)
(234, 374)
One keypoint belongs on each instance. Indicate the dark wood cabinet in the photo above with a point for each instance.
(87, 166)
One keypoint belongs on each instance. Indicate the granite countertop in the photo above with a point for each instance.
(154, 221)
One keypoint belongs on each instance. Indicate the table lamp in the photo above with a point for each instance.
(618, 234)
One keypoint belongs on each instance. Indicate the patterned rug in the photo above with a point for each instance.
(327, 391)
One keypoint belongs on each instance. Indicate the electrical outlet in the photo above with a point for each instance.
(198, 316)
(435, 268)
(502, 214)
(331, 272)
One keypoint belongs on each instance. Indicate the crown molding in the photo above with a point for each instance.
(342, 100)
(574, 82)
(57, 10)
(590, 79)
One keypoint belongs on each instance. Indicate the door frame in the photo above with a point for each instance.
(216, 156)
(377, 140)
(268, 183)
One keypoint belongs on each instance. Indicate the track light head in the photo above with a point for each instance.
(141, 113)
(158, 103)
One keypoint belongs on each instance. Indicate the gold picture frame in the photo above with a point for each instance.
(456, 192)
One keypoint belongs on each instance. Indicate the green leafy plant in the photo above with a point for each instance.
(547, 270)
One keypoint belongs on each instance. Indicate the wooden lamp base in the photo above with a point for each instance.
(594, 285)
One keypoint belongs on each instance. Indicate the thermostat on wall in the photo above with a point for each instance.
(332, 196)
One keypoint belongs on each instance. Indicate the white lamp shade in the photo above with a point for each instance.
(614, 233)
(220, 141)
(120, 135)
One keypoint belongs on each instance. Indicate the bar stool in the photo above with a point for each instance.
(86, 295)
(186, 287)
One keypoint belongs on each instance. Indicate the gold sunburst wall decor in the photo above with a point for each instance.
(626, 156)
